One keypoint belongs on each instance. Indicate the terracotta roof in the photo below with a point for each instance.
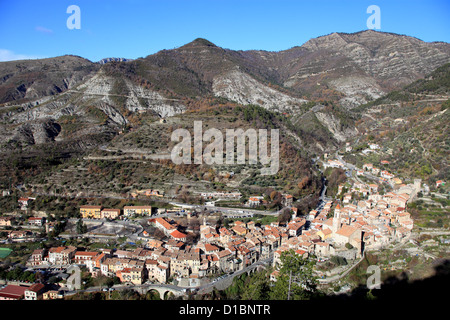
(177, 234)
(57, 249)
(111, 210)
(91, 207)
(137, 207)
(164, 223)
(239, 229)
(86, 253)
(210, 247)
(36, 287)
(13, 291)
(346, 231)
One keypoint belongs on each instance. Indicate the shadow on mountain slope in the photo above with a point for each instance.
(395, 288)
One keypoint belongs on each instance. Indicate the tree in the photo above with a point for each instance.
(258, 288)
(81, 227)
(295, 279)
(303, 182)
(236, 289)
(284, 216)
(273, 194)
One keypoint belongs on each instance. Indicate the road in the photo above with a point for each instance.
(354, 168)
(222, 283)
(238, 211)
(322, 200)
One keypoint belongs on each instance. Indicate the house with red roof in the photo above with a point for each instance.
(165, 226)
(177, 235)
(12, 292)
(34, 291)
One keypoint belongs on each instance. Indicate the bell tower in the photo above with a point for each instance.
(337, 218)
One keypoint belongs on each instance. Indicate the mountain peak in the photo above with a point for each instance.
(200, 42)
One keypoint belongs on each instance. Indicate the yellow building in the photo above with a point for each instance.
(51, 295)
(110, 213)
(94, 212)
(325, 234)
(137, 210)
(133, 275)
(240, 231)
(5, 221)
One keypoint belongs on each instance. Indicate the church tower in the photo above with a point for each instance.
(337, 218)
(203, 226)
(294, 214)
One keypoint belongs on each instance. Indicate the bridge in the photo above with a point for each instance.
(162, 289)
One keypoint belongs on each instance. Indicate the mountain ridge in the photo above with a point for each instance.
(343, 70)
(359, 66)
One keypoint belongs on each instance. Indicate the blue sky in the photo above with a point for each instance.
(137, 28)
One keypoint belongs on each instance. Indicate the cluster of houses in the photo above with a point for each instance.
(222, 250)
(23, 234)
(32, 292)
(385, 176)
(375, 221)
(147, 193)
(369, 223)
(249, 242)
(98, 212)
(362, 219)
(256, 201)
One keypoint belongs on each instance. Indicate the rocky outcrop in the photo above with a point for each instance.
(242, 88)
(137, 99)
(357, 90)
(364, 65)
(106, 60)
(88, 109)
(98, 92)
(31, 133)
(333, 124)
(34, 79)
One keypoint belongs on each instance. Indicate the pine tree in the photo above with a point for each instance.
(295, 280)
(81, 227)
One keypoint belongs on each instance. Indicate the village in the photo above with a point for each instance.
(358, 219)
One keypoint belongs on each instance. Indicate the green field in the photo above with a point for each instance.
(4, 252)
